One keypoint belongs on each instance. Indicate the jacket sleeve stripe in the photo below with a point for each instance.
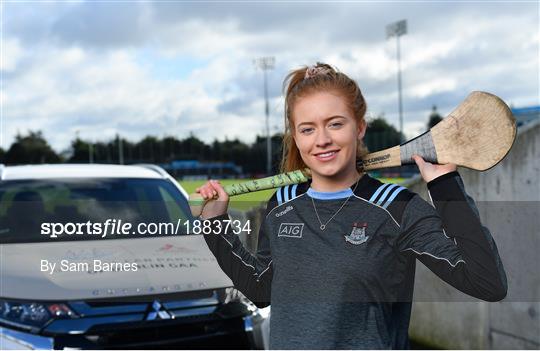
(293, 191)
(257, 275)
(278, 194)
(435, 257)
(385, 194)
(393, 196)
(374, 196)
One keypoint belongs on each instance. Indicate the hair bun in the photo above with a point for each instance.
(314, 71)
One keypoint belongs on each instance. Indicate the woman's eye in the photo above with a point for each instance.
(336, 125)
(306, 130)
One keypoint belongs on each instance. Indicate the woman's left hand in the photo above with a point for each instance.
(430, 171)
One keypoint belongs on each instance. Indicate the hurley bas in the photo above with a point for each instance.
(96, 266)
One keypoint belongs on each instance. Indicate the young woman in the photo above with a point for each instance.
(336, 256)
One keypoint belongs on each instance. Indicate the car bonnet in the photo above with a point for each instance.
(164, 265)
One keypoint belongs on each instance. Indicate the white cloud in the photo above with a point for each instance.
(61, 84)
(101, 94)
(414, 129)
(437, 85)
(11, 54)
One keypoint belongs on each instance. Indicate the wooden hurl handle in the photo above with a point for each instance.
(196, 201)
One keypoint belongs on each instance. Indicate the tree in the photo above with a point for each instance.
(434, 118)
(172, 147)
(381, 135)
(193, 148)
(148, 148)
(32, 148)
(79, 151)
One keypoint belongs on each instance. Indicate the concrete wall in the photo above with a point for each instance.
(508, 198)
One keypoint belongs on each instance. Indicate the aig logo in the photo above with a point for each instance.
(291, 230)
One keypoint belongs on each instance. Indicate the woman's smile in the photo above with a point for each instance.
(326, 156)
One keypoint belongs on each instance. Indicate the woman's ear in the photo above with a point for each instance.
(292, 131)
(362, 130)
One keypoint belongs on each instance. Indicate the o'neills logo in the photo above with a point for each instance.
(287, 209)
(377, 159)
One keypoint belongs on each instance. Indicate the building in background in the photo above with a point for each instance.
(193, 169)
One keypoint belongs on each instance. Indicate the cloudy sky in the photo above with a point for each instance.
(173, 68)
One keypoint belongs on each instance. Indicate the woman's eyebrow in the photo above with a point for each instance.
(326, 120)
(336, 116)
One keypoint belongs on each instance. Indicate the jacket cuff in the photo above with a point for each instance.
(222, 217)
(442, 178)
(446, 187)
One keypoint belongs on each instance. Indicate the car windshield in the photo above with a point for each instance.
(26, 205)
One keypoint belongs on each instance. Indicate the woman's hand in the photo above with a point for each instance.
(217, 199)
(430, 171)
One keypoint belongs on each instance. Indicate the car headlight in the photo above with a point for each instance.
(265, 312)
(30, 315)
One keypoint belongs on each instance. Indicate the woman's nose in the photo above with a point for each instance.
(323, 138)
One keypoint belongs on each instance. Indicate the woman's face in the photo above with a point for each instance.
(326, 134)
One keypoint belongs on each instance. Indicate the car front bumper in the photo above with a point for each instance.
(248, 332)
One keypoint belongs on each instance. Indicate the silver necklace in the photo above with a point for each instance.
(323, 226)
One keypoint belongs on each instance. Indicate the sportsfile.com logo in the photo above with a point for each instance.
(291, 230)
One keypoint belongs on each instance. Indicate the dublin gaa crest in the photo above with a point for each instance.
(358, 234)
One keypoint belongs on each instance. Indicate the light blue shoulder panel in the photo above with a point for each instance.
(389, 192)
(286, 193)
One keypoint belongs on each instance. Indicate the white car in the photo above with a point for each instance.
(148, 291)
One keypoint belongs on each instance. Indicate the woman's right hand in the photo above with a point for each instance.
(217, 199)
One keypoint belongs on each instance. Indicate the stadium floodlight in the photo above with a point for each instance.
(398, 29)
(266, 63)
